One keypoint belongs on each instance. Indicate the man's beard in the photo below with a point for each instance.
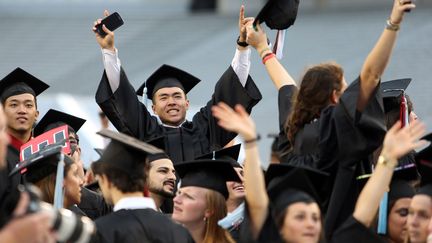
(161, 192)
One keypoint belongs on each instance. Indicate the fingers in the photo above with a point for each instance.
(396, 127)
(241, 14)
(417, 130)
(106, 30)
(247, 20)
(23, 202)
(106, 13)
(241, 110)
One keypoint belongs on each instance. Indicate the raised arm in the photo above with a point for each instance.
(378, 58)
(397, 142)
(241, 60)
(109, 52)
(278, 74)
(238, 121)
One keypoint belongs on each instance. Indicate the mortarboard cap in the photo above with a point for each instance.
(394, 88)
(20, 82)
(123, 153)
(400, 189)
(229, 154)
(42, 163)
(158, 142)
(168, 76)
(278, 14)
(295, 186)
(99, 151)
(210, 174)
(60, 118)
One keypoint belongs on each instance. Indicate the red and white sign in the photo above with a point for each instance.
(50, 137)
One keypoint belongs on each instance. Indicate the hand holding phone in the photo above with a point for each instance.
(112, 22)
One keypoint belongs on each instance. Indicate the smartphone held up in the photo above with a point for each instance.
(112, 22)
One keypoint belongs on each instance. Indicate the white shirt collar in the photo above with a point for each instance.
(169, 126)
(135, 203)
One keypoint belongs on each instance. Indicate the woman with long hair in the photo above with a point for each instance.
(327, 125)
(201, 199)
(289, 210)
(42, 173)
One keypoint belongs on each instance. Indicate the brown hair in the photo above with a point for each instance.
(47, 184)
(213, 232)
(316, 88)
(280, 220)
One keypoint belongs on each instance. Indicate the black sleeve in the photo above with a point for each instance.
(268, 233)
(354, 231)
(352, 133)
(285, 97)
(123, 108)
(229, 90)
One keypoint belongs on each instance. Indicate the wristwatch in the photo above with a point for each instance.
(241, 43)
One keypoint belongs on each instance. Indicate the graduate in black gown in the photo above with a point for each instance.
(288, 209)
(167, 88)
(162, 179)
(236, 193)
(18, 91)
(329, 125)
(201, 199)
(121, 175)
(397, 143)
(92, 204)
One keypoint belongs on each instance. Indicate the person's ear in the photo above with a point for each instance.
(36, 115)
(208, 213)
(334, 98)
(154, 108)
(187, 104)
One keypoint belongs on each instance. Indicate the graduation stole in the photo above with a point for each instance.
(383, 209)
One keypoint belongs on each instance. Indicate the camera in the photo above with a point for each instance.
(68, 226)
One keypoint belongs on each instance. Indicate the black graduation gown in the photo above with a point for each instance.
(199, 136)
(9, 194)
(353, 231)
(93, 204)
(139, 225)
(268, 233)
(340, 142)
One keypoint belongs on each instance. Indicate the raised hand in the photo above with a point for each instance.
(399, 141)
(256, 37)
(243, 23)
(399, 8)
(237, 120)
(107, 41)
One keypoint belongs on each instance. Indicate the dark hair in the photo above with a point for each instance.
(280, 219)
(316, 88)
(47, 184)
(123, 181)
(392, 109)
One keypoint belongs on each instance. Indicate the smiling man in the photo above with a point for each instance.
(161, 180)
(167, 87)
(18, 91)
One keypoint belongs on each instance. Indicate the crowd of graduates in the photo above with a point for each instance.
(345, 166)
